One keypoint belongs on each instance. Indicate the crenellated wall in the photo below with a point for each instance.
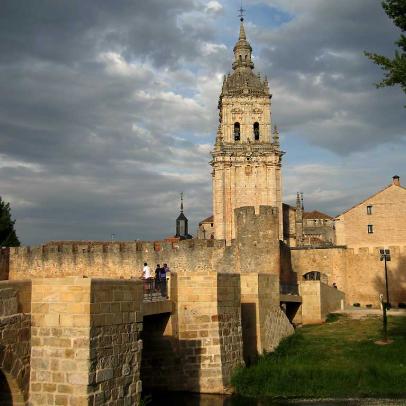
(257, 232)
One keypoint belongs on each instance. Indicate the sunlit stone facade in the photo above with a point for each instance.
(246, 156)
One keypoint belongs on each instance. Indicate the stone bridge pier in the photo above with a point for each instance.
(15, 343)
(85, 341)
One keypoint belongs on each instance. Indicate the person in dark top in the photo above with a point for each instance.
(157, 277)
(162, 280)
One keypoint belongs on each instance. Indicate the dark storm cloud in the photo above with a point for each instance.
(74, 30)
(89, 121)
(108, 109)
(323, 83)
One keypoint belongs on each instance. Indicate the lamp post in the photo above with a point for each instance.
(385, 256)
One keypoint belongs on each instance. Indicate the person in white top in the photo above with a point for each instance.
(146, 271)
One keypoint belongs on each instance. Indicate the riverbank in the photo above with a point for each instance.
(339, 359)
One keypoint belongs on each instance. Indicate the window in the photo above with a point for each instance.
(370, 229)
(312, 276)
(236, 131)
(369, 209)
(256, 131)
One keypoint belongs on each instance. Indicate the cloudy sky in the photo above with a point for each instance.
(108, 109)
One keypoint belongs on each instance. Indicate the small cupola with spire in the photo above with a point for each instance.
(242, 51)
(182, 223)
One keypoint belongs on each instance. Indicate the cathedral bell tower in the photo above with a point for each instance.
(246, 155)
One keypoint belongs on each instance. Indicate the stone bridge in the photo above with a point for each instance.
(68, 337)
(92, 341)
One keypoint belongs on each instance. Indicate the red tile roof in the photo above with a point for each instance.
(315, 214)
(208, 220)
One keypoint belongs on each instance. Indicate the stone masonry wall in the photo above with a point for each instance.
(366, 276)
(209, 329)
(115, 348)
(319, 300)
(85, 342)
(357, 272)
(114, 260)
(258, 234)
(199, 345)
(126, 259)
(264, 324)
(15, 345)
(331, 262)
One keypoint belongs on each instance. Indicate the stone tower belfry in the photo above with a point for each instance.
(246, 155)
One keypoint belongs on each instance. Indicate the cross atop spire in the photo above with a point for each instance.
(241, 13)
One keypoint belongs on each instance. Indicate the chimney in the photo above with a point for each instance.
(396, 180)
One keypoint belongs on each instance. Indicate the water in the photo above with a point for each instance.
(196, 399)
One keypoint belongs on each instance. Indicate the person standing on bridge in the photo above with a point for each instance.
(148, 279)
(162, 280)
(146, 271)
(157, 277)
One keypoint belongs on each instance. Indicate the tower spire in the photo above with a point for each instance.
(181, 202)
(242, 49)
(242, 35)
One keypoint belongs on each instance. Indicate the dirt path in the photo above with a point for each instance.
(355, 313)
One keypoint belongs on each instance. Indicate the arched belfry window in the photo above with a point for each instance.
(256, 131)
(236, 131)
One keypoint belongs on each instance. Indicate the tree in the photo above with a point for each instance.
(8, 236)
(395, 69)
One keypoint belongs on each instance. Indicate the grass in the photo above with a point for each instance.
(336, 359)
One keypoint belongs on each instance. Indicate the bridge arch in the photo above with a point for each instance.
(10, 393)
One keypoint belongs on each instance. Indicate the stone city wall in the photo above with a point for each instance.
(357, 272)
(366, 276)
(15, 347)
(126, 259)
(331, 262)
(85, 345)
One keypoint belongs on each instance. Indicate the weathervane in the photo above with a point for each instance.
(241, 10)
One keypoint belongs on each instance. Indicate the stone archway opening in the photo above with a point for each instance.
(10, 394)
